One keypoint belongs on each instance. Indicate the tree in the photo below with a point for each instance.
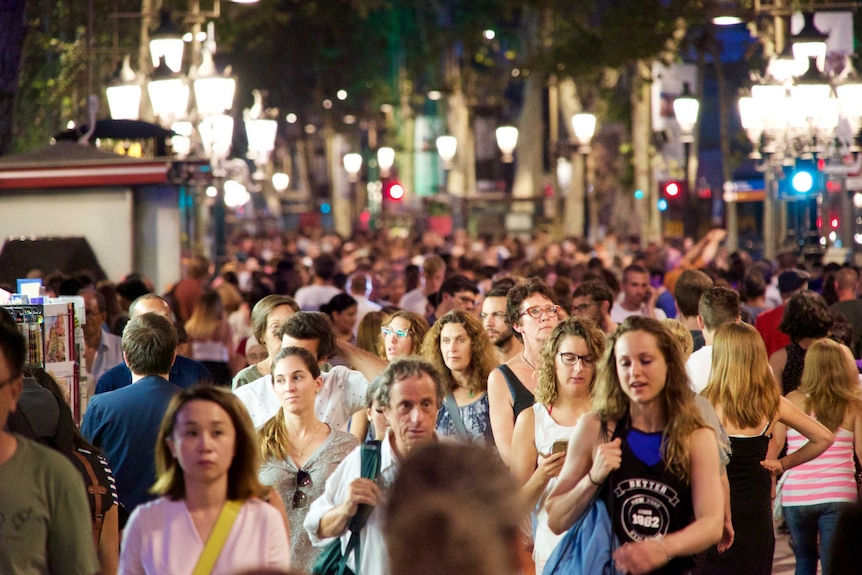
(11, 47)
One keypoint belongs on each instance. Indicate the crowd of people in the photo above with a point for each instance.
(482, 405)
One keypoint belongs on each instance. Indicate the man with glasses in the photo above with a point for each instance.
(493, 316)
(102, 349)
(457, 292)
(594, 299)
(44, 514)
(532, 313)
(411, 392)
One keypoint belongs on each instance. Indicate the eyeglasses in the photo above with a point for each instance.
(467, 300)
(536, 312)
(400, 333)
(573, 359)
(583, 307)
(303, 479)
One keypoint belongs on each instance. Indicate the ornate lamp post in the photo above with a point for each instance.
(686, 108)
(353, 165)
(584, 126)
(447, 146)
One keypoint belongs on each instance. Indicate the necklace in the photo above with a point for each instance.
(533, 367)
(301, 450)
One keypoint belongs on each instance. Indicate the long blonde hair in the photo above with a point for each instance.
(830, 379)
(681, 414)
(740, 380)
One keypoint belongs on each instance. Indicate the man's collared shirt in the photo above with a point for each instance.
(109, 354)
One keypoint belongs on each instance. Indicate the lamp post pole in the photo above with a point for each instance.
(447, 146)
(584, 126)
(685, 109)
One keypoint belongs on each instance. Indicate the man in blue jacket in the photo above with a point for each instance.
(124, 423)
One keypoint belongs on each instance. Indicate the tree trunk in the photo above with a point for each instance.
(13, 27)
(647, 223)
(531, 134)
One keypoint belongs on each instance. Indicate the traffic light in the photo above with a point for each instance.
(394, 191)
(803, 179)
(673, 190)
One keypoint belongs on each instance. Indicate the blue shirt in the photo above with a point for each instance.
(184, 373)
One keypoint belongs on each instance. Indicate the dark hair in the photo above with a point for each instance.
(149, 343)
(597, 290)
(454, 284)
(14, 347)
(311, 325)
(338, 303)
(687, 290)
(753, 285)
(501, 287)
(305, 355)
(634, 269)
(261, 310)
(718, 305)
(132, 289)
(520, 292)
(806, 315)
(324, 266)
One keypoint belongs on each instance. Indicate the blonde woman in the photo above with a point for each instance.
(815, 493)
(567, 371)
(210, 338)
(206, 463)
(748, 402)
(299, 450)
(464, 356)
(646, 451)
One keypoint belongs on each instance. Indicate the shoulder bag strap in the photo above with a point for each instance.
(97, 491)
(455, 414)
(217, 538)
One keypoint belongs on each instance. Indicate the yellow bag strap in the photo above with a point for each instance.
(216, 540)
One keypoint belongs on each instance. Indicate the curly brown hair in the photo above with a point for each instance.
(546, 388)
(482, 353)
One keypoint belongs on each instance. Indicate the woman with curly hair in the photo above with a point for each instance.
(816, 493)
(806, 318)
(646, 451)
(749, 406)
(464, 356)
(567, 371)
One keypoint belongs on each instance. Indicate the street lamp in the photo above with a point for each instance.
(353, 165)
(280, 181)
(507, 140)
(169, 93)
(685, 109)
(167, 42)
(810, 42)
(124, 94)
(385, 159)
(446, 147)
(584, 126)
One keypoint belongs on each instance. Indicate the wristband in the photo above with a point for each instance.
(593, 481)
(781, 463)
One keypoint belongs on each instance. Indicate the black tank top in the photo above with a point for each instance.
(648, 502)
(522, 398)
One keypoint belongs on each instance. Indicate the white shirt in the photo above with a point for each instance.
(310, 298)
(698, 367)
(415, 300)
(373, 550)
(342, 395)
(619, 314)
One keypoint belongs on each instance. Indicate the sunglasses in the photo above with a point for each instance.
(303, 479)
(400, 333)
(536, 312)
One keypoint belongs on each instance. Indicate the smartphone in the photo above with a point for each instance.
(560, 445)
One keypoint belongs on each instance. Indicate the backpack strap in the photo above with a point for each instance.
(455, 416)
(96, 491)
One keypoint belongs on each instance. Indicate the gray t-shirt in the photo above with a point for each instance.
(47, 526)
(281, 475)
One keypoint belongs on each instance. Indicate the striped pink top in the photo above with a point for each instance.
(827, 478)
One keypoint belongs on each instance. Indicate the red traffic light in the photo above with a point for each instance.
(672, 189)
(395, 191)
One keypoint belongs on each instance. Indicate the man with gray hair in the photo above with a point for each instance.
(124, 423)
(411, 392)
(185, 371)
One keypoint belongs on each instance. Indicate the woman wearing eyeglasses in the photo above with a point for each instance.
(402, 334)
(459, 348)
(567, 370)
(299, 450)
